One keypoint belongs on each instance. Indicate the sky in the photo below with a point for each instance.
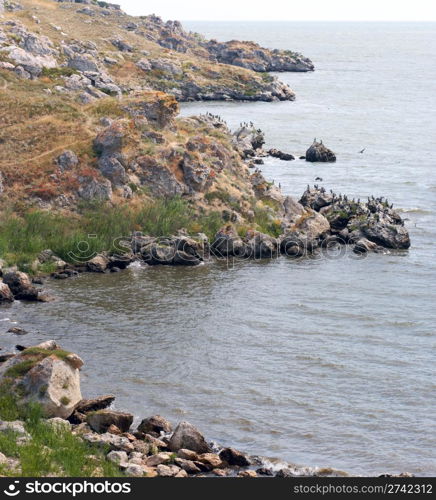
(285, 10)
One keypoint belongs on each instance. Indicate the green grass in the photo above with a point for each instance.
(51, 451)
(98, 228)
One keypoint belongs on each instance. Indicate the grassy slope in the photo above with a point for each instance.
(51, 451)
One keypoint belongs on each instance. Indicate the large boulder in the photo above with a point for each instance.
(227, 243)
(101, 420)
(110, 140)
(174, 251)
(67, 160)
(187, 436)
(261, 246)
(31, 63)
(47, 375)
(5, 293)
(320, 153)
(92, 189)
(20, 286)
(234, 457)
(304, 221)
(155, 425)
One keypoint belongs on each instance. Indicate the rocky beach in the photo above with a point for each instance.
(100, 174)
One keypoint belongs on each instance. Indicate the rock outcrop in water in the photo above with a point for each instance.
(251, 56)
(318, 152)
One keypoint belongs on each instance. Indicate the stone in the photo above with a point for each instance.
(111, 168)
(228, 243)
(16, 426)
(167, 470)
(187, 454)
(100, 403)
(30, 63)
(261, 246)
(159, 458)
(101, 420)
(144, 64)
(149, 471)
(187, 465)
(92, 189)
(363, 246)
(98, 264)
(110, 140)
(211, 460)
(155, 424)
(319, 153)
(83, 62)
(248, 473)
(122, 46)
(234, 457)
(117, 457)
(118, 443)
(20, 285)
(5, 293)
(187, 436)
(67, 160)
(45, 377)
(248, 139)
(59, 424)
(275, 153)
(133, 470)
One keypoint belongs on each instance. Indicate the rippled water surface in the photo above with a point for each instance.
(322, 362)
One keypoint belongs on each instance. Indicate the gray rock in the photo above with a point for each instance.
(112, 169)
(117, 457)
(234, 457)
(20, 285)
(228, 243)
(110, 140)
(155, 424)
(187, 436)
(67, 160)
(5, 293)
(83, 62)
(32, 64)
(101, 420)
(93, 189)
(319, 153)
(122, 45)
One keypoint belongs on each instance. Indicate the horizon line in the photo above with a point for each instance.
(310, 20)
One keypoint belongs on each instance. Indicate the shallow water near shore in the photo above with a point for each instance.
(321, 362)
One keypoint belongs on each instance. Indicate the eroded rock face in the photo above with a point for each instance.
(92, 188)
(45, 375)
(187, 436)
(157, 107)
(320, 153)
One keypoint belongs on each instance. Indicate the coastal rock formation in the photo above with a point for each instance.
(251, 56)
(46, 375)
(374, 219)
(227, 243)
(319, 153)
(248, 139)
(176, 251)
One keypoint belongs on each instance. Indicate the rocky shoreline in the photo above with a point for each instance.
(48, 376)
